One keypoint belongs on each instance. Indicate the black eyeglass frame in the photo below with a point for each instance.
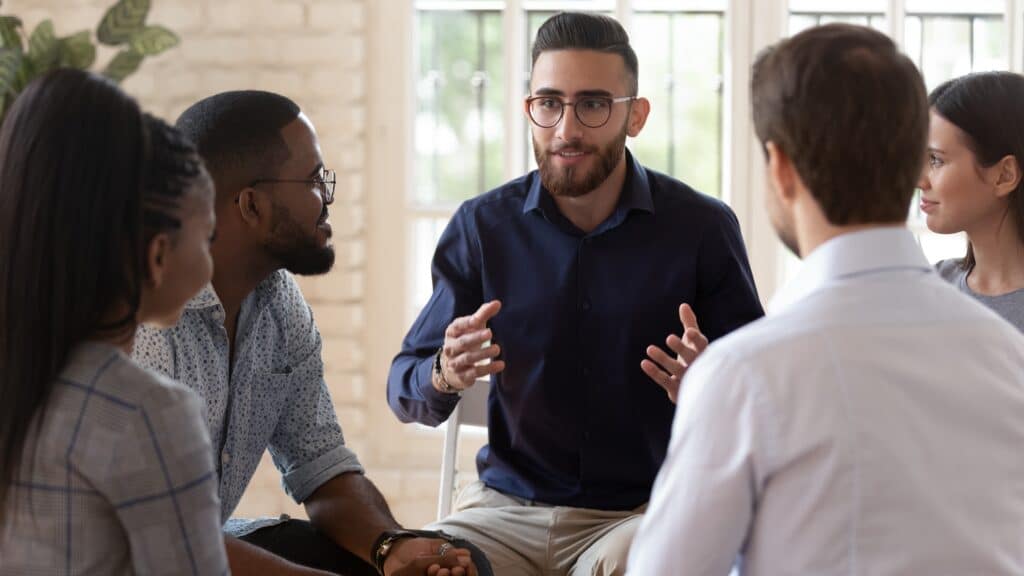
(575, 108)
(326, 184)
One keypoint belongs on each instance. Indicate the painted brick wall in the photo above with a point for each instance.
(315, 52)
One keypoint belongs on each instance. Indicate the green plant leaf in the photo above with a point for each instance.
(123, 64)
(43, 48)
(10, 36)
(153, 40)
(77, 51)
(11, 61)
(121, 21)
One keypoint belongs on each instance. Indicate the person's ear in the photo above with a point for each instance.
(781, 173)
(1007, 175)
(639, 110)
(252, 206)
(157, 254)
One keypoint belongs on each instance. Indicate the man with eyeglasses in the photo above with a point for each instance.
(249, 346)
(555, 285)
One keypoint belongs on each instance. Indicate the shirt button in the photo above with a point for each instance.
(225, 458)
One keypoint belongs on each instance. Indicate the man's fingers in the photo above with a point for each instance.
(466, 360)
(654, 372)
(695, 339)
(687, 354)
(475, 321)
(468, 342)
(667, 363)
(474, 373)
(669, 383)
(485, 312)
(688, 318)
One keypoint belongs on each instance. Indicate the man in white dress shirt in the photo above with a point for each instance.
(873, 423)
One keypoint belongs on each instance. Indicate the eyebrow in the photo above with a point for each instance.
(581, 93)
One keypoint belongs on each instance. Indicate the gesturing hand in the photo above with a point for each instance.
(667, 371)
(463, 348)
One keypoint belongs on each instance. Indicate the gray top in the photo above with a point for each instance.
(118, 479)
(1010, 305)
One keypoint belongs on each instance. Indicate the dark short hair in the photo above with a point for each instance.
(584, 31)
(86, 181)
(988, 107)
(238, 134)
(850, 111)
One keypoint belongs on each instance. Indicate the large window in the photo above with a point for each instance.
(471, 67)
(470, 135)
(945, 39)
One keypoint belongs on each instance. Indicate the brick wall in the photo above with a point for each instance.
(314, 51)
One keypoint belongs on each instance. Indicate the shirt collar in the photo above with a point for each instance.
(864, 252)
(636, 191)
(206, 298)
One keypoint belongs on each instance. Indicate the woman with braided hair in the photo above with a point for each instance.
(105, 223)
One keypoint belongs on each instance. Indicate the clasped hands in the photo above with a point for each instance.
(430, 557)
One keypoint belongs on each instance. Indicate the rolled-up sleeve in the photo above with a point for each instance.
(308, 446)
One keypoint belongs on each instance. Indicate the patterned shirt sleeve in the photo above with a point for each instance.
(161, 480)
(308, 446)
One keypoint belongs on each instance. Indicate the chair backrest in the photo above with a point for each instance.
(471, 410)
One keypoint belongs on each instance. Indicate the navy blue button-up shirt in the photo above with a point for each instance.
(573, 420)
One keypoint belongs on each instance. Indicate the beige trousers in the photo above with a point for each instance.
(523, 538)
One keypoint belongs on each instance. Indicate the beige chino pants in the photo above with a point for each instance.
(523, 538)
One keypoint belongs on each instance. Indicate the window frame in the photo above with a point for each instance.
(391, 37)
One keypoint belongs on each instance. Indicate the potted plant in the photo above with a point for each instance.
(23, 58)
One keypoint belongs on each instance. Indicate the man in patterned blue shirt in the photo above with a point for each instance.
(249, 346)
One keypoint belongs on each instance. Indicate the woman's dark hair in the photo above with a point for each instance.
(988, 107)
(86, 181)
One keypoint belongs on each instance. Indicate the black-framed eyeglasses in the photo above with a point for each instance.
(324, 182)
(591, 111)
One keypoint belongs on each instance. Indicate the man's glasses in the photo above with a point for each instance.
(591, 111)
(324, 182)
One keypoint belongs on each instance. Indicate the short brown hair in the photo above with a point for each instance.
(851, 112)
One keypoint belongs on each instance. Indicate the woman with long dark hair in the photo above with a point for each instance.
(973, 183)
(105, 222)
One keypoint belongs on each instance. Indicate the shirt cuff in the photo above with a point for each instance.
(303, 481)
(436, 400)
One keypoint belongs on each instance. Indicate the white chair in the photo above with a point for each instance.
(471, 410)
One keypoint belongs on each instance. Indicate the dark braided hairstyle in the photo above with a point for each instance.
(173, 169)
(86, 182)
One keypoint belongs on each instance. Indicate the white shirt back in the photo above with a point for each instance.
(872, 424)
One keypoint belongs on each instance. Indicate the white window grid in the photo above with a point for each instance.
(749, 25)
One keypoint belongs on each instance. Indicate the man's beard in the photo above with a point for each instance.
(562, 181)
(294, 249)
(783, 224)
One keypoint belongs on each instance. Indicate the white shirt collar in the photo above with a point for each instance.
(866, 251)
